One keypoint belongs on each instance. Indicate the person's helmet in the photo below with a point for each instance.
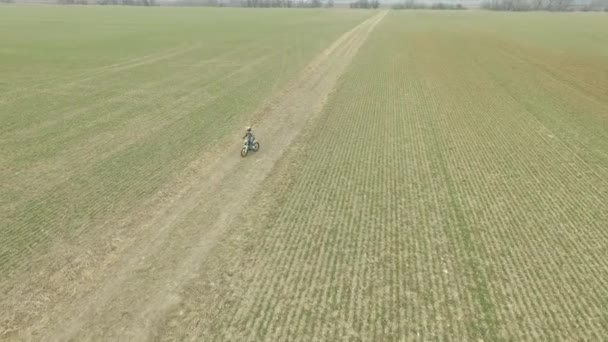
(248, 128)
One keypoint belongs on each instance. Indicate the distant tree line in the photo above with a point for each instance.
(495, 5)
(412, 4)
(206, 3)
(7, 1)
(72, 2)
(110, 2)
(257, 3)
(543, 5)
(595, 5)
(365, 4)
(282, 3)
(128, 2)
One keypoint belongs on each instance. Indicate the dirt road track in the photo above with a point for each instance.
(119, 284)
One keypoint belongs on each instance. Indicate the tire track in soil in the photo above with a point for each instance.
(125, 293)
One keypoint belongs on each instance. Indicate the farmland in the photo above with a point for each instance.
(423, 175)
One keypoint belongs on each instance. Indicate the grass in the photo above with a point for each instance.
(101, 106)
(454, 188)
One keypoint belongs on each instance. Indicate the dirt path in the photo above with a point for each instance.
(120, 284)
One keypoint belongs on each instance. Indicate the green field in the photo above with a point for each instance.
(101, 106)
(423, 175)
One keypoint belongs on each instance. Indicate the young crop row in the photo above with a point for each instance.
(433, 199)
(521, 196)
(114, 163)
(83, 155)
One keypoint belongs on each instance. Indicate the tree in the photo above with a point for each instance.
(529, 5)
(360, 4)
(536, 5)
